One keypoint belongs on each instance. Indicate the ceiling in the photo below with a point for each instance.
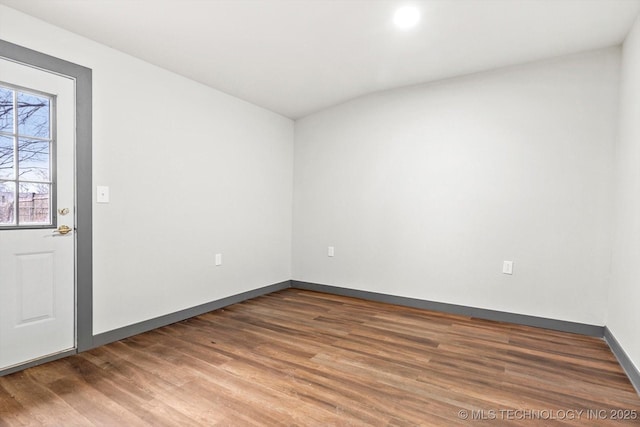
(296, 57)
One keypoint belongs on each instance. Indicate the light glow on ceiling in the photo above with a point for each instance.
(406, 17)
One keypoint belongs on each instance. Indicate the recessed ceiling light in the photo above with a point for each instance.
(406, 17)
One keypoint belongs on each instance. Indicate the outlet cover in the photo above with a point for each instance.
(507, 267)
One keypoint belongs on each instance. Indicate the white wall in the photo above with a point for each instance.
(624, 294)
(424, 191)
(192, 172)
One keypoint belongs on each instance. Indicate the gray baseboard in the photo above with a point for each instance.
(520, 319)
(158, 322)
(625, 361)
(480, 313)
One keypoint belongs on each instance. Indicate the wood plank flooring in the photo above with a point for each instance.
(303, 358)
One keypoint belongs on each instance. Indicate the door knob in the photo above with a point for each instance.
(63, 229)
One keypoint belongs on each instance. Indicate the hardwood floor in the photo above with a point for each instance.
(304, 358)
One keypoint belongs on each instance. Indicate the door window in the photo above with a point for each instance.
(26, 158)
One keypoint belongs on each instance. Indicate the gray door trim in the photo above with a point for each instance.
(84, 199)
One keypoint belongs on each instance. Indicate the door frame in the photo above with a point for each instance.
(82, 77)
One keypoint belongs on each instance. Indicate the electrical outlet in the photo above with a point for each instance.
(507, 267)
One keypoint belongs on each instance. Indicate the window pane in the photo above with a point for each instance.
(33, 115)
(34, 205)
(6, 110)
(7, 196)
(33, 160)
(25, 159)
(6, 158)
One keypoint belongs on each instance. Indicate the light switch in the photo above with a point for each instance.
(218, 259)
(330, 251)
(103, 194)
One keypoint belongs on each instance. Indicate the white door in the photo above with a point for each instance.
(37, 262)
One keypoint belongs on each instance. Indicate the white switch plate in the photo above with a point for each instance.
(218, 259)
(331, 251)
(507, 267)
(102, 194)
